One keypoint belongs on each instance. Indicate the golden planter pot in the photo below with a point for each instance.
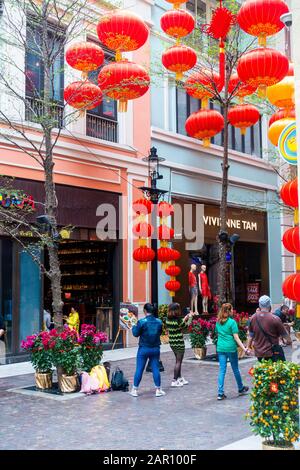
(43, 381)
(68, 383)
(164, 339)
(269, 446)
(200, 353)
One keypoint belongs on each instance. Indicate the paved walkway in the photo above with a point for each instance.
(186, 418)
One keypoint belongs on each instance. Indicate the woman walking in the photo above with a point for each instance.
(228, 339)
(175, 324)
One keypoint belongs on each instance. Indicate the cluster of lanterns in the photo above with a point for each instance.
(122, 80)
(143, 230)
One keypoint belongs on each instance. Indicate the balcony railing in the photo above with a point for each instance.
(35, 112)
(101, 128)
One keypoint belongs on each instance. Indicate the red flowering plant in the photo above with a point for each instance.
(66, 351)
(90, 346)
(40, 347)
(274, 412)
(199, 330)
(242, 320)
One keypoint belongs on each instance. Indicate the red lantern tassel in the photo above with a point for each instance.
(221, 66)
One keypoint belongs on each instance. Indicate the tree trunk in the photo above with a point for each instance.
(223, 214)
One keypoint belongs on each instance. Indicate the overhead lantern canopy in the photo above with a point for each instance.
(261, 18)
(122, 31)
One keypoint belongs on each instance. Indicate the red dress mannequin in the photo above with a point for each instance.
(204, 289)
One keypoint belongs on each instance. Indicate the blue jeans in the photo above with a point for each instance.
(145, 353)
(234, 361)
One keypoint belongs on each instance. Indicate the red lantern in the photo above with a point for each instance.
(179, 59)
(143, 230)
(123, 81)
(142, 206)
(261, 18)
(176, 3)
(291, 287)
(243, 116)
(165, 232)
(175, 255)
(204, 124)
(85, 56)
(202, 85)
(289, 193)
(122, 31)
(291, 240)
(172, 286)
(238, 88)
(143, 255)
(262, 68)
(165, 209)
(164, 255)
(177, 23)
(83, 95)
(173, 270)
(282, 114)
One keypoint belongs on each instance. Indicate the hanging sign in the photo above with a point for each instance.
(253, 292)
(287, 144)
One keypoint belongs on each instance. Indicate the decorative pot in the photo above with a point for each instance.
(200, 353)
(43, 381)
(269, 446)
(297, 334)
(68, 383)
(164, 339)
(241, 353)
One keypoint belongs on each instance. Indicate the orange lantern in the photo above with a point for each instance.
(261, 68)
(243, 116)
(282, 95)
(261, 18)
(176, 3)
(202, 86)
(85, 56)
(179, 59)
(289, 193)
(282, 114)
(122, 31)
(177, 23)
(83, 95)
(291, 287)
(143, 255)
(172, 286)
(238, 88)
(291, 240)
(276, 128)
(123, 81)
(204, 124)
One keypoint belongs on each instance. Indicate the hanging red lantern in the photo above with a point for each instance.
(164, 255)
(204, 124)
(165, 209)
(83, 95)
(85, 56)
(142, 230)
(143, 255)
(289, 193)
(282, 114)
(243, 116)
(173, 270)
(291, 240)
(165, 233)
(261, 68)
(202, 85)
(238, 88)
(179, 59)
(122, 31)
(177, 23)
(291, 287)
(123, 81)
(176, 3)
(142, 206)
(172, 286)
(175, 255)
(261, 18)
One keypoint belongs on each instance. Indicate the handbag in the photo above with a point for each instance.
(277, 350)
(119, 381)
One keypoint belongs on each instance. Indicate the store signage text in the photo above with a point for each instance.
(13, 200)
(231, 223)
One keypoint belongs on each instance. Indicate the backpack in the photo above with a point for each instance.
(119, 381)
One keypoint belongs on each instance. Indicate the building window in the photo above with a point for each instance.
(198, 8)
(185, 105)
(102, 121)
(35, 72)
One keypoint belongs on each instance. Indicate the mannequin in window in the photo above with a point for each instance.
(193, 289)
(204, 289)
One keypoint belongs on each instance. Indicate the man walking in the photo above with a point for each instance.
(265, 331)
(148, 330)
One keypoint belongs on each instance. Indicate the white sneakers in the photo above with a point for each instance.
(134, 392)
(159, 392)
(179, 382)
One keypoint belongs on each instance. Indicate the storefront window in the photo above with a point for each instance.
(6, 289)
(185, 106)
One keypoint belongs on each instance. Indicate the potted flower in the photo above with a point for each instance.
(242, 320)
(66, 358)
(40, 347)
(274, 413)
(199, 330)
(162, 315)
(90, 346)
